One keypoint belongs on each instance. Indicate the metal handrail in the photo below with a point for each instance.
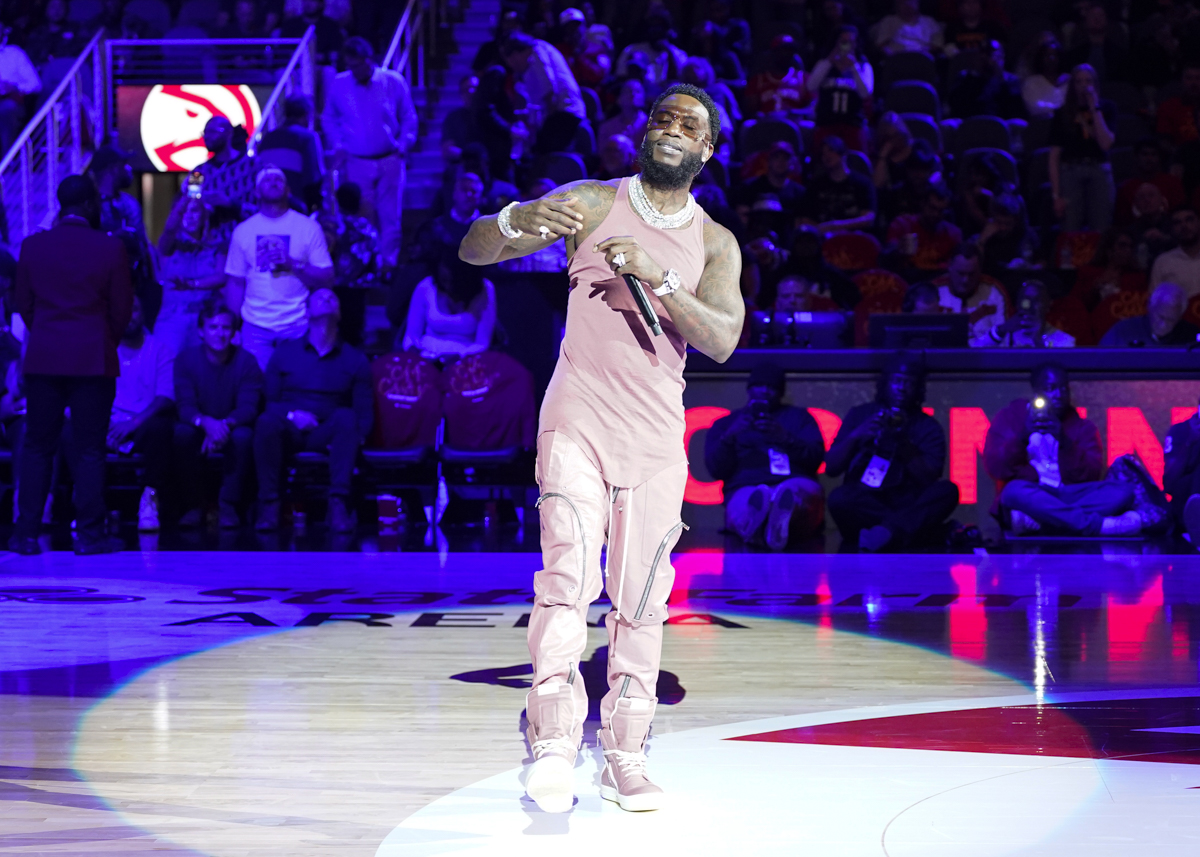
(304, 50)
(50, 104)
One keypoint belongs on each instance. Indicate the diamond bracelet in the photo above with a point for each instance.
(502, 221)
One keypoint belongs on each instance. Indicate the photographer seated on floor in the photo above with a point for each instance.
(768, 454)
(893, 455)
(1181, 476)
(1052, 462)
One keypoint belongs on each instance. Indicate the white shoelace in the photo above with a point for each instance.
(558, 746)
(629, 762)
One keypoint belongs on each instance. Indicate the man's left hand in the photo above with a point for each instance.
(637, 261)
(120, 431)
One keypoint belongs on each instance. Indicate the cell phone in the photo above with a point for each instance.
(760, 409)
(1039, 407)
(1026, 305)
(195, 185)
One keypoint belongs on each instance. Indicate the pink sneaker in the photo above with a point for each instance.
(624, 779)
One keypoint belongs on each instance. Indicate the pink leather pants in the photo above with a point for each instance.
(580, 513)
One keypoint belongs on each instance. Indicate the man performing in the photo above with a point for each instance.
(611, 465)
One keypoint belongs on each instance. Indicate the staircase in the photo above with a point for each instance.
(425, 165)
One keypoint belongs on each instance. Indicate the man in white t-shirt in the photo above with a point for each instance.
(276, 258)
(1181, 265)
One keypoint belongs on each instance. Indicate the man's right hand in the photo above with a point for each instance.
(216, 434)
(304, 420)
(868, 430)
(558, 216)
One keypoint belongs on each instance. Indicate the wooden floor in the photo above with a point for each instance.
(315, 713)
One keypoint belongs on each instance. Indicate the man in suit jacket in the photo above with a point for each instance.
(74, 294)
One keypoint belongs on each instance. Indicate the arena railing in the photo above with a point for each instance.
(57, 141)
(298, 76)
(415, 39)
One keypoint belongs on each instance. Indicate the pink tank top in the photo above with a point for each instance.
(617, 390)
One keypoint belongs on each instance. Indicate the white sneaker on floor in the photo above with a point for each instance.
(1022, 524)
(551, 778)
(148, 512)
(1128, 524)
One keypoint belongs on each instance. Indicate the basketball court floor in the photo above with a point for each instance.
(370, 703)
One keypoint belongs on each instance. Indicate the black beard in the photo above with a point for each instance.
(665, 176)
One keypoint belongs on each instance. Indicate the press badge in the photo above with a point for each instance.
(876, 471)
(781, 465)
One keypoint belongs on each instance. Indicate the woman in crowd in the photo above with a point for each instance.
(894, 147)
(1113, 269)
(842, 84)
(630, 119)
(191, 267)
(1080, 139)
(453, 313)
(1045, 89)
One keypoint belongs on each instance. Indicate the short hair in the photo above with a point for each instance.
(836, 143)
(969, 250)
(1039, 373)
(1006, 204)
(76, 190)
(214, 307)
(714, 118)
(1167, 290)
(1042, 289)
(358, 48)
(349, 197)
(925, 292)
(297, 107)
(516, 43)
(910, 363)
(935, 191)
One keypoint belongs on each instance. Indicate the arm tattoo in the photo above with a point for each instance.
(711, 320)
(485, 245)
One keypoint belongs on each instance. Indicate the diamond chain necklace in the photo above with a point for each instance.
(652, 215)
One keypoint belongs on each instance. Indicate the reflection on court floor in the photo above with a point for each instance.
(296, 703)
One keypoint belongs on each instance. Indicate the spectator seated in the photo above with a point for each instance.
(218, 390)
(1162, 326)
(1181, 475)
(318, 399)
(1050, 463)
(768, 454)
(452, 313)
(892, 455)
(921, 245)
(143, 413)
(964, 288)
(1029, 326)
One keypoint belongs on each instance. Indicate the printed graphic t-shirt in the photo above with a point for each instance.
(275, 300)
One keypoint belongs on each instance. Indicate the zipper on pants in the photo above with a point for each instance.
(654, 567)
(582, 539)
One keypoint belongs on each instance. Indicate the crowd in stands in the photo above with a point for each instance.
(870, 149)
(1026, 177)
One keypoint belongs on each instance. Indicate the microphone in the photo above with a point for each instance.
(643, 302)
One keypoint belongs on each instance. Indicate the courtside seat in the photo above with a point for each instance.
(489, 474)
(412, 471)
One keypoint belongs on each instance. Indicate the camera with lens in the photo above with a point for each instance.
(759, 409)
